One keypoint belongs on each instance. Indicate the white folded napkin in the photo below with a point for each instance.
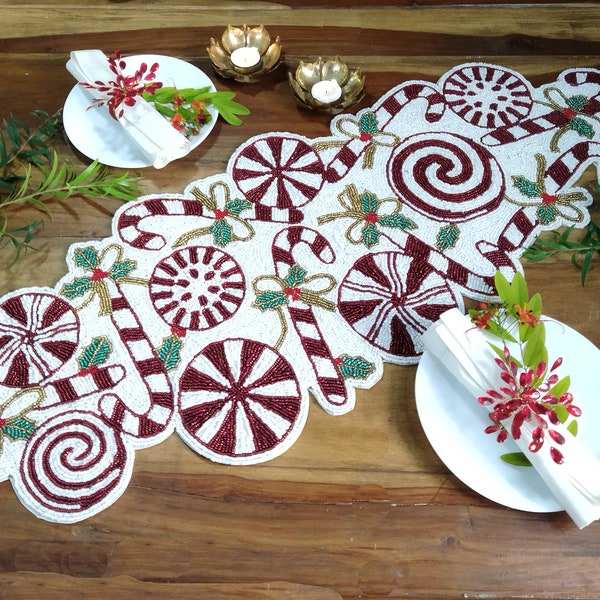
(464, 350)
(145, 126)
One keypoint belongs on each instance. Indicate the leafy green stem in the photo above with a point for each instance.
(31, 173)
(582, 252)
(170, 100)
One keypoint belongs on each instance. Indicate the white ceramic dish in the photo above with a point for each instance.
(98, 136)
(454, 422)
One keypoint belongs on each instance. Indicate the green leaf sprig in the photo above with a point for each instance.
(182, 106)
(582, 252)
(32, 173)
(532, 392)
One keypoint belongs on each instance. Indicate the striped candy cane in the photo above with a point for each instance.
(522, 227)
(85, 383)
(582, 76)
(475, 283)
(384, 112)
(555, 119)
(131, 220)
(516, 234)
(571, 163)
(401, 95)
(332, 393)
(152, 372)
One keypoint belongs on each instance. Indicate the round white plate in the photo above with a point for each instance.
(454, 421)
(97, 135)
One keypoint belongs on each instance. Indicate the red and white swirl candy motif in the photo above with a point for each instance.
(446, 177)
(240, 402)
(390, 299)
(487, 96)
(39, 333)
(197, 288)
(279, 171)
(74, 466)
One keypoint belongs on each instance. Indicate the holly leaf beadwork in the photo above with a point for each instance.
(528, 188)
(95, 353)
(19, 429)
(80, 286)
(121, 269)
(370, 235)
(86, 258)
(368, 213)
(228, 225)
(397, 220)
(354, 367)
(270, 299)
(221, 231)
(369, 203)
(582, 128)
(576, 103)
(546, 213)
(106, 265)
(14, 421)
(367, 124)
(295, 276)
(169, 352)
(235, 207)
(447, 237)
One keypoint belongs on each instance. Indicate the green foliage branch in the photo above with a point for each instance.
(32, 173)
(561, 242)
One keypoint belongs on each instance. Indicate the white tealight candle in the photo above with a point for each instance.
(245, 58)
(326, 91)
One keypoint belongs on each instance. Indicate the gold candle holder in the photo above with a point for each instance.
(326, 85)
(244, 54)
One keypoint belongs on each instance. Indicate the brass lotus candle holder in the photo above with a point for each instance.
(326, 85)
(244, 53)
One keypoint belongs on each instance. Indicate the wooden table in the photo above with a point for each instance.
(360, 506)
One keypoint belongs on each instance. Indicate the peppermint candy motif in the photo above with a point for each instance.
(487, 96)
(390, 299)
(446, 177)
(240, 402)
(197, 288)
(39, 333)
(278, 171)
(73, 467)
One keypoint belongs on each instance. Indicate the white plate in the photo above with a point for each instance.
(454, 422)
(97, 135)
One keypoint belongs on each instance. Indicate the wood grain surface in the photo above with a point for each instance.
(360, 506)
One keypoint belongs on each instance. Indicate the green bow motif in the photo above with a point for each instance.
(548, 206)
(101, 271)
(368, 214)
(296, 287)
(573, 108)
(228, 226)
(14, 423)
(366, 129)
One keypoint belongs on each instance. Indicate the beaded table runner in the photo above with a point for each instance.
(306, 265)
